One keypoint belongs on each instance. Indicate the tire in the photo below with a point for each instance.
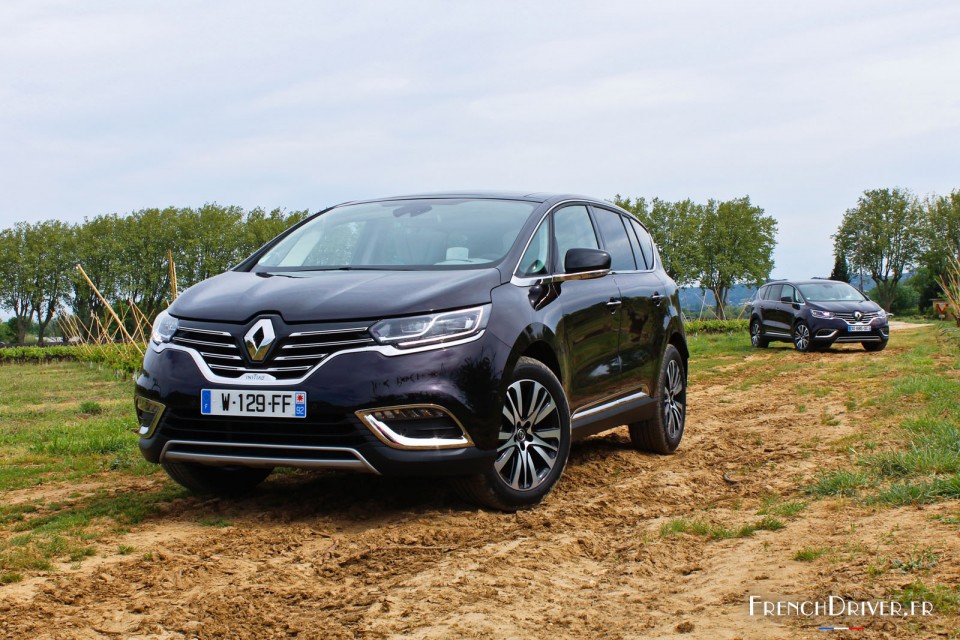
(222, 481)
(756, 335)
(802, 339)
(875, 346)
(662, 433)
(533, 443)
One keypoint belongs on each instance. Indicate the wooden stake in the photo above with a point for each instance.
(109, 308)
(173, 274)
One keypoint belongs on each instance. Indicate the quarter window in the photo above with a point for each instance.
(615, 240)
(573, 230)
(646, 243)
(535, 259)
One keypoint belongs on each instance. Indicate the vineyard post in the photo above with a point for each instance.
(109, 308)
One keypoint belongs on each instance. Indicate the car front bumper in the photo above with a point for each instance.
(465, 381)
(835, 330)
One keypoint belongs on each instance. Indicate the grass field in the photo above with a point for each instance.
(800, 440)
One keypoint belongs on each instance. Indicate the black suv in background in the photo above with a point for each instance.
(814, 314)
(465, 335)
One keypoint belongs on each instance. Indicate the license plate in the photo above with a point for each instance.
(264, 404)
(859, 327)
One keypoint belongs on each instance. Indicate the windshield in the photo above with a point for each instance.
(402, 234)
(830, 292)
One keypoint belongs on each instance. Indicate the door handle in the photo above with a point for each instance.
(656, 297)
(614, 304)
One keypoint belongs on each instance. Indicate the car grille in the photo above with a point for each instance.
(291, 358)
(848, 315)
(182, 426)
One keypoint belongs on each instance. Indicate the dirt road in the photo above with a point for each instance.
(340, 556)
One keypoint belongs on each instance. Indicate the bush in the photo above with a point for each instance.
(717, 326)
(120, 357)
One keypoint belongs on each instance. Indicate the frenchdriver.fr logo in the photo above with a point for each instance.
(839, 607)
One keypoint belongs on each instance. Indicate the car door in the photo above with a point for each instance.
(770, 310)
(644, 297)
(788, 306)
(591, 313)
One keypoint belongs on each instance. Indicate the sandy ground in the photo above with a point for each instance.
(341, 556)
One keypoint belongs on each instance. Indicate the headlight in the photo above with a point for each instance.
(881, 313)
(164, 327)
(816, 313)
(435, 327)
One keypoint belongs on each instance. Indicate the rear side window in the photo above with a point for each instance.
(573, 230)
(615, 240)
(773, 292)
(646, 243)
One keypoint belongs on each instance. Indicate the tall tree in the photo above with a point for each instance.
(736, 246)
(51, 246)
(14, 281)
(840, 269)
(673, 226)
(882, 235)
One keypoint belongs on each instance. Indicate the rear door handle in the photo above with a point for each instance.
(614, 303)
(656, 297)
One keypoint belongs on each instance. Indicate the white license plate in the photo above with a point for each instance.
(859, 327)
(265, 404)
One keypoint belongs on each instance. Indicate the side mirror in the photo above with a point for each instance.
(586, 261)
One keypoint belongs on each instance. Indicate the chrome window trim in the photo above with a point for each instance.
(384, 349)
(394, 440)
(527, 281)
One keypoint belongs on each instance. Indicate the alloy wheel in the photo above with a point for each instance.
(755, 334)
(801, 337)
(529, 439)
(673, 399)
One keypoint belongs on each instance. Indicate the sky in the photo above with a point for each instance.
(116, 106)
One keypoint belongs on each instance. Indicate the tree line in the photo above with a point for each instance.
(714, 245)
(126, 258)
(892, 232)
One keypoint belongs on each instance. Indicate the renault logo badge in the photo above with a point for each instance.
(857, 316)
(259, 339)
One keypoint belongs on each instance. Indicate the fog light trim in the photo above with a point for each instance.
(149, 413)
(377, 420)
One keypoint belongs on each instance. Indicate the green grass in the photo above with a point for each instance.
(712, 531)
(809, 554)
(774, 507)
(922, 464)
(48, 435)
(944, 599)
(214, 522)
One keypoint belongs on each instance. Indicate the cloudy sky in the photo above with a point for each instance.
(115, 106)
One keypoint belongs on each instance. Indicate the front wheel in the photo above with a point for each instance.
(533, 444)
(222, 481)
(662, 433)
(875, 346)
(801, 337)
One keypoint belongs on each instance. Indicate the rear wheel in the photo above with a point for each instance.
(223, 481)
(875, 346)
(533, 444)
(756, 335)
(801, 337)
(662, 432)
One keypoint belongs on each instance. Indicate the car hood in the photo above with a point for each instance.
(238, 296)
(846, 305)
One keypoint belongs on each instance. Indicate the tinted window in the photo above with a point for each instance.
(573, 230)
(773, 292)
(428, 233)
(534, 260)
(789, 292)
(830, 292)
(615, 240)
(646, 243)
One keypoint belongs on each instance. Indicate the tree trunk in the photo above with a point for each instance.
(720, 296)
